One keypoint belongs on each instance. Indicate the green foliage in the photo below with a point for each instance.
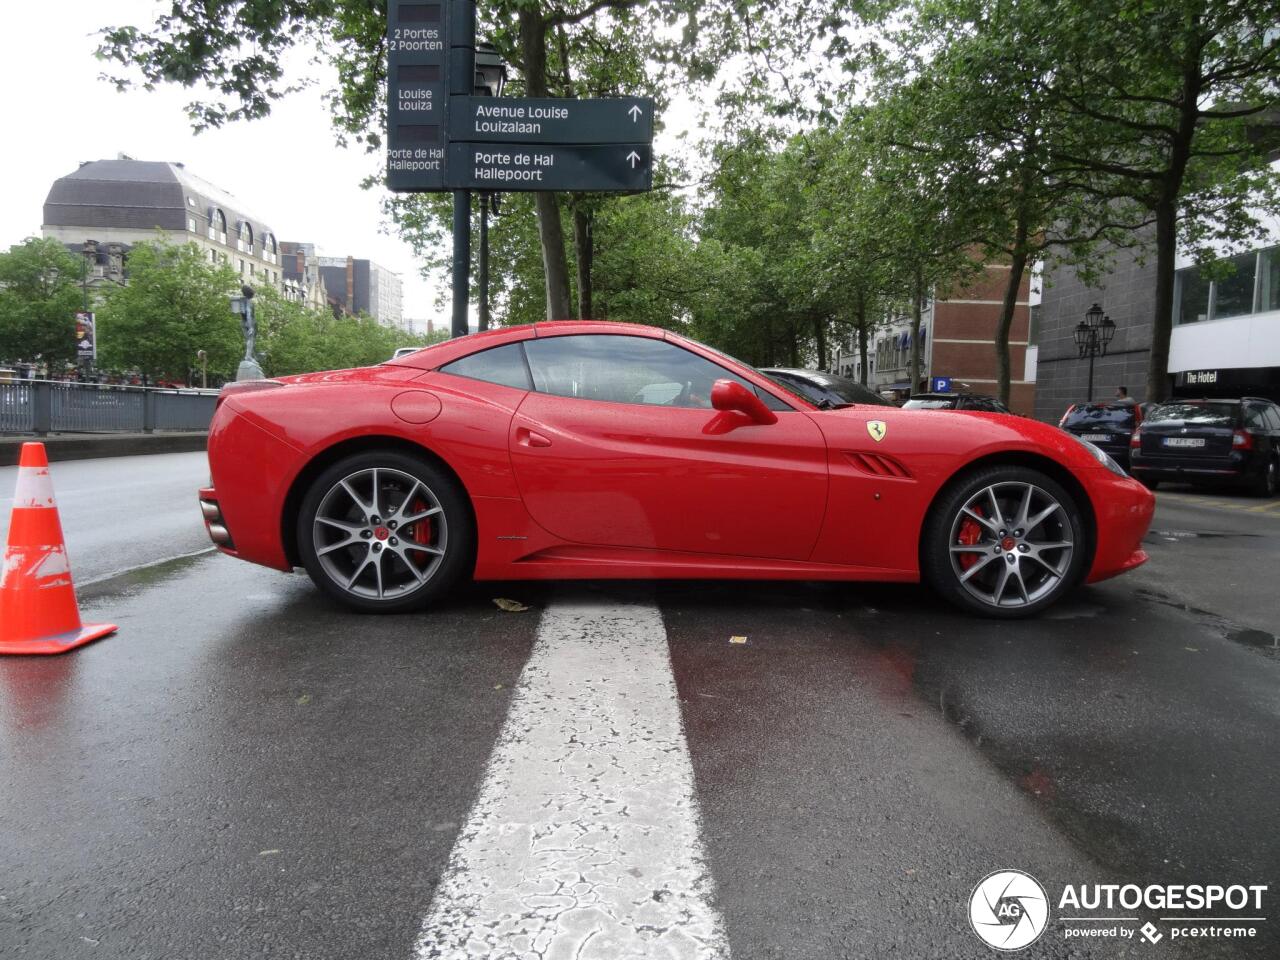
(294, 338)
(39, 295)
(173, 305)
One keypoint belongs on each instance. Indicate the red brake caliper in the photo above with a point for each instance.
(970, 533)
(421, 530)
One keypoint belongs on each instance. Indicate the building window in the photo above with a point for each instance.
(242, 268)
(1193, 296)
(1269, 292)
(1252, 286)
(1233, 294)
(217, 225)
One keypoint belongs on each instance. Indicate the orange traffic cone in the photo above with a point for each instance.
(38, 611)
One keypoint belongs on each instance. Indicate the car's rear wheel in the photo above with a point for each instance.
(1265, 484)
(1004, 542)
(385, 532)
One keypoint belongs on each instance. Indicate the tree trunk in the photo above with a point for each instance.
(1166, 210)
(584, 249)
(1162, 322)
(533, 50)
(862, 336)
(820, 337)
(917, 307)
(1017, 266)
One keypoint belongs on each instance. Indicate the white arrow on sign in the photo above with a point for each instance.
(635, 112)
(634, 158)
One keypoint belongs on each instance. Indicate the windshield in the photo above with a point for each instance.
(1100, 415)
(929, 403)
(850, 391)
(1195, 414)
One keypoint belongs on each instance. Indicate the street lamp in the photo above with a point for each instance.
(491, 71)
(1092, 336)
(491, 77)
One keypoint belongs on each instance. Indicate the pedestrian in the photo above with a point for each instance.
(1122, 397)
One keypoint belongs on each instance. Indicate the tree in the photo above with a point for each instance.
(173, 305)
(970, 100)
(1182, 98)
(234, 50)
(39, 295)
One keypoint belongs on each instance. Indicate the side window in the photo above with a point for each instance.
(622, 369)
(1253, 418)
(502, 365)
(773, 403)
(1273, 417)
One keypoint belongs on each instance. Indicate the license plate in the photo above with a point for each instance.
(1184, 441)
(1095, 437)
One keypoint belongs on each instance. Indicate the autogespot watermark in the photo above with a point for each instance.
(1010, 910)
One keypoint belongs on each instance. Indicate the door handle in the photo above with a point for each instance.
(531, 438)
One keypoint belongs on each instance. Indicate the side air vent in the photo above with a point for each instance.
(878, 465)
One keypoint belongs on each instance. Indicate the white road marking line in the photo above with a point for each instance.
(584, 840)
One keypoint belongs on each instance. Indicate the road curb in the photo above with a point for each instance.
(95, 446)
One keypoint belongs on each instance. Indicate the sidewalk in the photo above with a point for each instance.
(87, 446)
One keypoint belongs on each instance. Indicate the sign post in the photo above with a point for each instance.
(441, 136)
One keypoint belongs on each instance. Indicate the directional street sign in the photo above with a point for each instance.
(417, 94)
(625, 167)
(442, 137)
(549, 120)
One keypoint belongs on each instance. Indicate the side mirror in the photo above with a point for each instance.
(731, 395)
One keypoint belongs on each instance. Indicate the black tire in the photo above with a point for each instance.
(1264, 484)
(1150, 484)
(1039, 588)
(392, 574)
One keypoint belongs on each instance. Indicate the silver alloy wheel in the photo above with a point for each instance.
(1021, 537)
(380, 533)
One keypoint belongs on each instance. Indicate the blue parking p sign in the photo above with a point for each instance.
(940, 385)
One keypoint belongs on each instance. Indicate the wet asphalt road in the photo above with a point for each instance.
(246, 771)
(121, 512)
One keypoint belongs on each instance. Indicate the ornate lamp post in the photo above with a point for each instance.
(1092, 336)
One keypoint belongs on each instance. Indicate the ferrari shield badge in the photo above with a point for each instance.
(877, 429)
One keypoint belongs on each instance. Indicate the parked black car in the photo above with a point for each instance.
(824, 389)
(955, 401)
(1105, 424)
(1210, 441)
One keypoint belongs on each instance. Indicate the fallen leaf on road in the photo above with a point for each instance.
(303, 700)
(511, 606)
(737, 639)
(1192, 649)
(267, 853)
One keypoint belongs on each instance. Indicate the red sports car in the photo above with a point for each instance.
(591, 450)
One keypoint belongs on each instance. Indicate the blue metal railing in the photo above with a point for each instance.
(41, 407)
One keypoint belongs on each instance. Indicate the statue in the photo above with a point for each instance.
(247, 324)
(250, 369)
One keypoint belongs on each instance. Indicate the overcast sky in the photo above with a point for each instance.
(285, 169)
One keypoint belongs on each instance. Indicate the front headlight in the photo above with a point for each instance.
(1101, 456)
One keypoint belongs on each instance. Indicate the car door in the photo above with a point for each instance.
(618, 445)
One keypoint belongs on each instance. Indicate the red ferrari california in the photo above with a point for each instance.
(592, 450)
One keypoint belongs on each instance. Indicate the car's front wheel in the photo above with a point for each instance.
(385, 532)
(1005, 542)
